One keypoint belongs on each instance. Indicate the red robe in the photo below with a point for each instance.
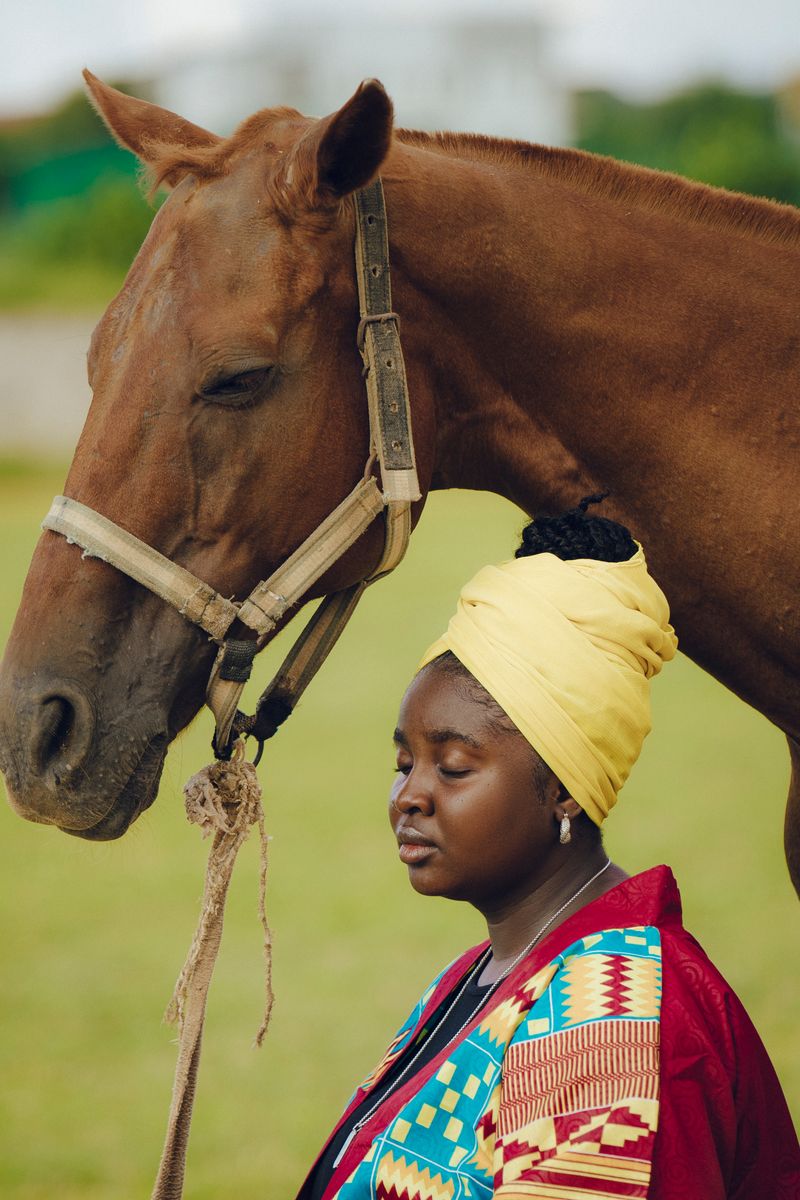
(723, 1129)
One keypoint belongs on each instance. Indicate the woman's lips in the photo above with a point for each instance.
(411, 852)
(414, 847)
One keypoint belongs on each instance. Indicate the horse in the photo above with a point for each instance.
(570, 325)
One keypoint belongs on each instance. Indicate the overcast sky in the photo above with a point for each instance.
(638, 47)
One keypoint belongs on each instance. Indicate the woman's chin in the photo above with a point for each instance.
(429, 883)
(425, 881)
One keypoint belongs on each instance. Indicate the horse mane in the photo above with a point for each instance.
(594, 174)
(597, 175)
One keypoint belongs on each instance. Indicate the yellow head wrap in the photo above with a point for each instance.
(567, 649)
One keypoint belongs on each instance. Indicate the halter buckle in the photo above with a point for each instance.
(373, 319)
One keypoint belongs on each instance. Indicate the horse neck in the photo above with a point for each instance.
(568, 332)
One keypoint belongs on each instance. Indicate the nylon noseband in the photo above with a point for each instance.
(391, 448)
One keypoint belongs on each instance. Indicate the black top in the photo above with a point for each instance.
(435, 1034)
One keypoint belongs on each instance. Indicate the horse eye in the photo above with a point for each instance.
(237, 389)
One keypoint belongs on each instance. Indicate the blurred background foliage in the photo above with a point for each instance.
(71, 218)
(713, 133)
(71, 215)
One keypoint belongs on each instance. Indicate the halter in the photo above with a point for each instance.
(391, 447)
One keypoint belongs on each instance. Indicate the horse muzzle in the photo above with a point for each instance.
(51, 753)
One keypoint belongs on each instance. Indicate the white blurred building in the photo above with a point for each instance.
(481, 74)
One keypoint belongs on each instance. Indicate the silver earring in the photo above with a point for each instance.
(565, 834)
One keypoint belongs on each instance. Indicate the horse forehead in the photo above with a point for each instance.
(196, 244)
(216, 221)
(226, 203)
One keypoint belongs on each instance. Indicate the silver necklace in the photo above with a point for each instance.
(473, 974)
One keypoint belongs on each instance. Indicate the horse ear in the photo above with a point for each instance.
(344, 151)
(144, 128)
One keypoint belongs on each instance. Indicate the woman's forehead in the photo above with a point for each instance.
(438, 700)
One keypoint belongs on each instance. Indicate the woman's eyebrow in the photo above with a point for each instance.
(452, 735)
(439, 736)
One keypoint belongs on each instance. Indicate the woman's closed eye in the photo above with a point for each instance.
(448, 772)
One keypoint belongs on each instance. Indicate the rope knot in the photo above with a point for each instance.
(225, 797)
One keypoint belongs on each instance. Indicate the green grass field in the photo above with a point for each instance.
(92, 936)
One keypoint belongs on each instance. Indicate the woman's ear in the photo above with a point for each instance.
(567, 807)
(558, 799)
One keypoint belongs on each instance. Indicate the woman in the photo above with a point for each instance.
(588, 1048)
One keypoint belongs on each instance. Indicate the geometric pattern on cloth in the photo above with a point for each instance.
(396, 1179)
(595, 986)
(396, 1046)
(608, 980)
(555, 1090)
(592, 1067)
(598, 1154)
(401, 1038)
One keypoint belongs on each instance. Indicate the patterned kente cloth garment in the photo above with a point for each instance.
(613, 1062)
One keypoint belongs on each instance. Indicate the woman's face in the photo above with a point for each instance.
(465, 807)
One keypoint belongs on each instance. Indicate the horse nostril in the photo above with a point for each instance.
(61, 735)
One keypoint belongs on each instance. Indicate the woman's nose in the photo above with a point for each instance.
(411, 794)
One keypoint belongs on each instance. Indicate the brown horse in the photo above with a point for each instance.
(570, 324)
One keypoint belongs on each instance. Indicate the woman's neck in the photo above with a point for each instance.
(574, 883)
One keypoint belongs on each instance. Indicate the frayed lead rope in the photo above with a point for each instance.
(224, 799)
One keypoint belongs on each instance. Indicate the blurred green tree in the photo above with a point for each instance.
(712, 133)
(59, 153)
(105, 225)
(71, 214)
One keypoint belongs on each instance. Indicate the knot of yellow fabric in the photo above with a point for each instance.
(567, 649)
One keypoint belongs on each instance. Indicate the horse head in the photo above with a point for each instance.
(228, 419)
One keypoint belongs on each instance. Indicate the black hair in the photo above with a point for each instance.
(573, 534)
